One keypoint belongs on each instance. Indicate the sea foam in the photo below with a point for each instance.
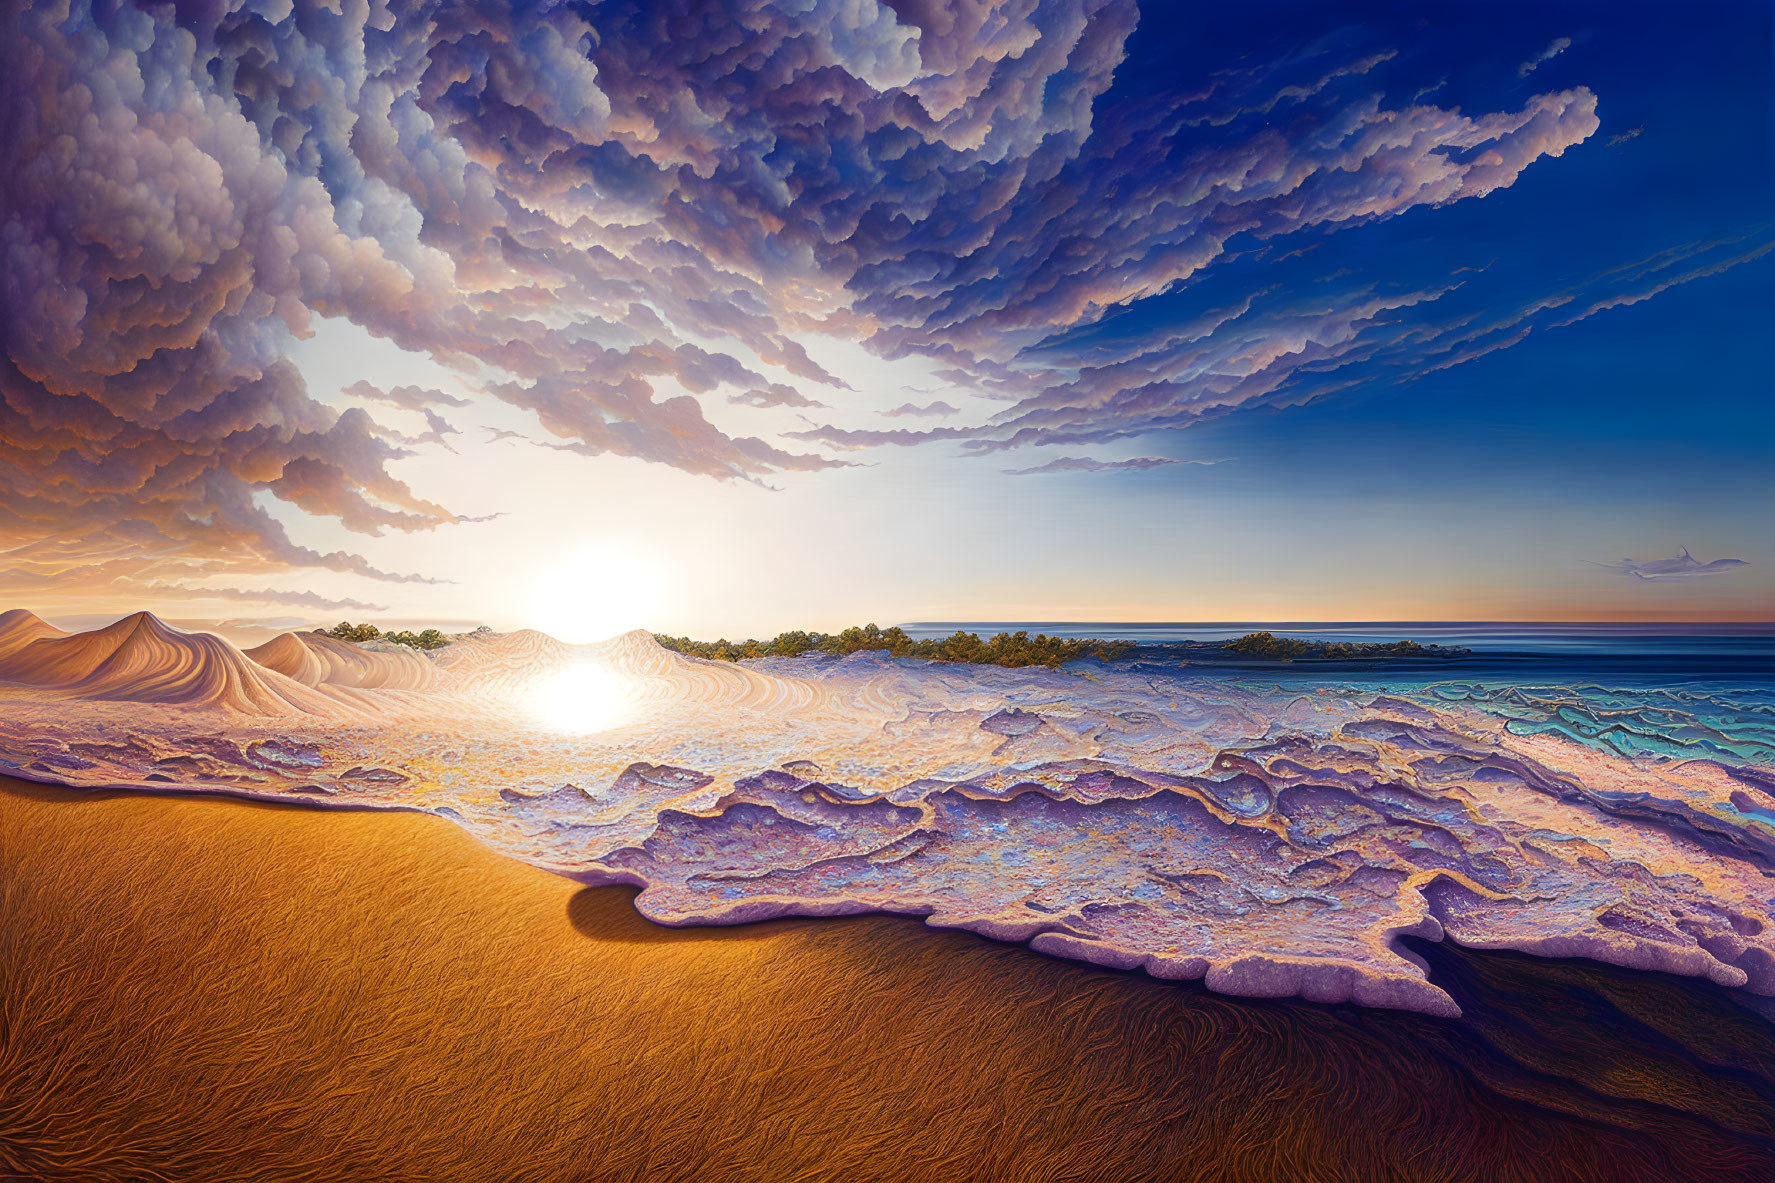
(1273, 840)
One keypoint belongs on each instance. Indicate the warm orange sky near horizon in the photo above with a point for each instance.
(592, 546)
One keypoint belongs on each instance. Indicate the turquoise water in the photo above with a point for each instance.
(1658, 690)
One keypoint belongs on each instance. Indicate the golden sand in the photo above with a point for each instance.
(206, 989)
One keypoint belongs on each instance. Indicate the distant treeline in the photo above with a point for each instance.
(1006, 649)
(431, 638)
(1267, 645)
(1021, 649)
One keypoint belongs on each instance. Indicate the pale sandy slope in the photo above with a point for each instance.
(142, 659)
(315, 660)
(19, 627)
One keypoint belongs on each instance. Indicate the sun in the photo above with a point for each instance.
(582, 699)
(596, 591)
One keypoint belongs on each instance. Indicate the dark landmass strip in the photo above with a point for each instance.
(1020, 649)
(1006, 649)
(1267, 647)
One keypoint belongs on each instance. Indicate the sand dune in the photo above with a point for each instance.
(142, 659)
(206, 990)
(505, 665)
(315, 660)
(19, 628)
(502, 664)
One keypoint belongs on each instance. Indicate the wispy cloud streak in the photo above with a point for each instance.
(1554, 48)
(1086, 464)
(1684, 566)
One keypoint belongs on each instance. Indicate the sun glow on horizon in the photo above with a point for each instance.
(582, 699)
(596, 592)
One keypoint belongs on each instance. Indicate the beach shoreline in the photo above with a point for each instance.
(216, 989)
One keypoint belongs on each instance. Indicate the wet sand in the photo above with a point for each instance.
(209, 989)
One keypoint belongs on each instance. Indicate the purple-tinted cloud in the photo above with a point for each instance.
(1277, 347)
(1086, 464)
(1640, 282)
(407, 398)
(1554, 48)
(304, 599)
(913, 410)
(774, 395)
(604, 215)
(437, 427)
(1683, 567)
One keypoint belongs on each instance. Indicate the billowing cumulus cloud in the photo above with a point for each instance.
(609, 215)
(520, 195)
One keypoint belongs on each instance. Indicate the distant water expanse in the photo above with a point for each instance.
(1441, 632)
(1628, 651)
(1670, 690)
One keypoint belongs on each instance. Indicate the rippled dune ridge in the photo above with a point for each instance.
(1271, 841)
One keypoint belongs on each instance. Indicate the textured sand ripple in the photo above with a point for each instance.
(141, 659)
(314, 660)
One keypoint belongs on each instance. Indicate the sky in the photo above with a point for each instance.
(721, 319)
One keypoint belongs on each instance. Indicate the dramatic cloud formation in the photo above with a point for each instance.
(1683, 566)
(603, 214)
(913, 410)
(1283, 347)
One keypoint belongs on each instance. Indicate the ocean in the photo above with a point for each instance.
(1676, 690)
(1638, 652)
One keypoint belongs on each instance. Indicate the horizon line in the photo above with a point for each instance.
(1770, 623)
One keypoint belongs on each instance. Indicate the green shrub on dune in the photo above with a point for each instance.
(430, 638)
(347, 631)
